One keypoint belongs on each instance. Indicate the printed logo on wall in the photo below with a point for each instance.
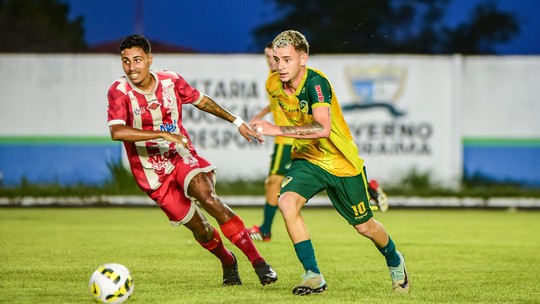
(376, 87)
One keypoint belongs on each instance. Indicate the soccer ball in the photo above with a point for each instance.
(111, 283)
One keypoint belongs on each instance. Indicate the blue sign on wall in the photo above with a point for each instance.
(66, 161)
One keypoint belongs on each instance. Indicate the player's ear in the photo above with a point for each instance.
(303, 59)
(150, 58)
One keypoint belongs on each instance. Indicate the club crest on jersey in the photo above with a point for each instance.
(304, 106)
(285, 181)
(168, 97)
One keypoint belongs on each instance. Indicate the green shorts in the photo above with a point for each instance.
(281, 159)
(348, 195)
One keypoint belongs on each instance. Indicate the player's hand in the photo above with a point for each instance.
(177, 138)
(249, 134)
(264, 127)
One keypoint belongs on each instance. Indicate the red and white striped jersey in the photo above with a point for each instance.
(151, 161)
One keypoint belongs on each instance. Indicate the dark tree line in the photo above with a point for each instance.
(391, 26)
(331, 26)
(39, 26)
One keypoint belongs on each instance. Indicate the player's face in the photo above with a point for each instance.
(136, 64)
(269, 54)
(289, 64)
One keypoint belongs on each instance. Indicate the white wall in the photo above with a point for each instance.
(441, 98)
(501, 97)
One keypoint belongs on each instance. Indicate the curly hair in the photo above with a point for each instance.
(294, 38)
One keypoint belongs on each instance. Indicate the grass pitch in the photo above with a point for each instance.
(454, 256)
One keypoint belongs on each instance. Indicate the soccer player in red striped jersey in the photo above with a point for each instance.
(145, 113)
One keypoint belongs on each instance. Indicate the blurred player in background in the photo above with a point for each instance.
(324, 157)
(145, 112)
(378, 198)
(279, 163)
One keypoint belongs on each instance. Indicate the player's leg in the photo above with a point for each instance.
(201, 188)
(210, 239)
(181, 210)
(280, 163)
(353, 204)
(272, 189)
(375, 231)
(272, 186)
(299, 183)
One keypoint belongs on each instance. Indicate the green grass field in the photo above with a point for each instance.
(454, 256)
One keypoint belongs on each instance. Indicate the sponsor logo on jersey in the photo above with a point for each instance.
(169, 127)
(359, 217)
(320, 96)
(286, 109)
(158, 161)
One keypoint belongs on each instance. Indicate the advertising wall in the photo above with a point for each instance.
(402, 111)
(500, 119)
(405, 112)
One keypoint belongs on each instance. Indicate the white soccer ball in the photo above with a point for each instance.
(111, 283)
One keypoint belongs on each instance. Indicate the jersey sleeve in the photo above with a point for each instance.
(187, 93)
(117, 108)
(319, 91)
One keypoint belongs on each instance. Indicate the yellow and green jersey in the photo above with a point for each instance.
(337, 154)
(280, 120)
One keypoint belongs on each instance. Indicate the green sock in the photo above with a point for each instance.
(269, 212)
(306, 255)
(390, 253)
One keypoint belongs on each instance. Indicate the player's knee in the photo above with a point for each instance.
(285, 207)
(204, 235)
(217, 209)
(267, 182)
(366, 229)
(273, 181)
(211, 201)
(202, 231)
(208, 199)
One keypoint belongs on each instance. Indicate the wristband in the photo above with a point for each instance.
(238, 121)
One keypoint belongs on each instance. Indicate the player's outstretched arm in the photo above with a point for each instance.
(121, 132)
(260, 115)
(319, 128)
(208, 105)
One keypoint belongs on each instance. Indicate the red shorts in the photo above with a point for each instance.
(172, 195)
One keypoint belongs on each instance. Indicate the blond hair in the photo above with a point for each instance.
(294, 38)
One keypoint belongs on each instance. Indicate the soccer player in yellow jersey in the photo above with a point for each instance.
(324, 157)
(279, 163)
